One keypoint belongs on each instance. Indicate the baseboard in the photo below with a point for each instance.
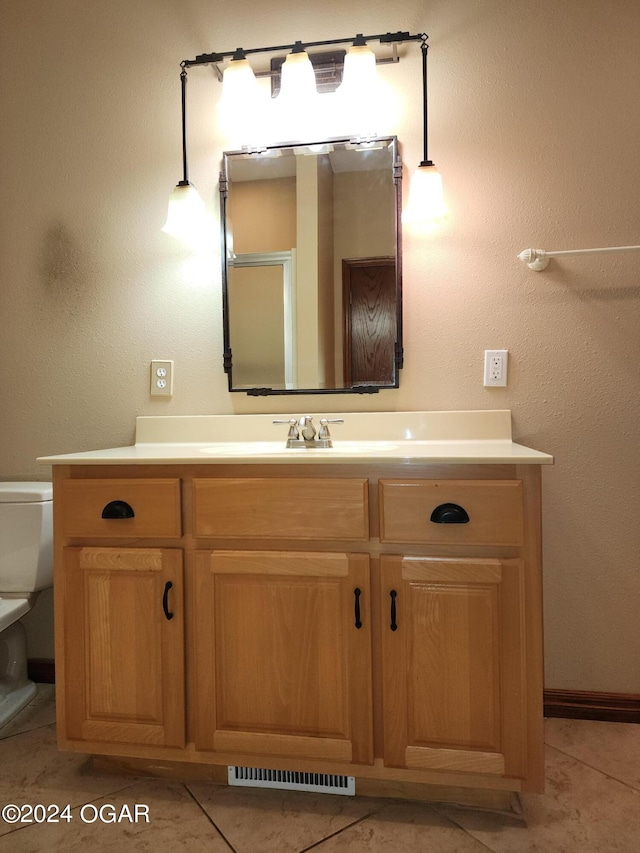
(42, 670)
(584, 705)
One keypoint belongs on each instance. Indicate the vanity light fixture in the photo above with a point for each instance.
(426, 205)
(298, 75)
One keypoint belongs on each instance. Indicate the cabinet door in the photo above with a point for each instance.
(124, 645)
(454, 665)
(283, 663)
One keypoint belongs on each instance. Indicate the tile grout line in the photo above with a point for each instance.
(339, 831)
(25, 731)
(208, 817)
(466, 831)
(597, 769)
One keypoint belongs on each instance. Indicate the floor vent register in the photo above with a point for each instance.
(288, 780)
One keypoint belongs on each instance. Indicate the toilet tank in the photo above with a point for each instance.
(26, 534)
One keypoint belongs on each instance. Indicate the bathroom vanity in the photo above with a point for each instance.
(371, 610)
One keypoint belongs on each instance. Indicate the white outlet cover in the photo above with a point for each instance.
(495, 368)
(161, 380)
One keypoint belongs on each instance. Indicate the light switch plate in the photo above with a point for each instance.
(161, 378)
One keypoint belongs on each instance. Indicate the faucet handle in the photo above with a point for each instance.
(324, 429)
(293, 427)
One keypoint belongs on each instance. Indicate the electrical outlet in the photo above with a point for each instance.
(495, 367)
(161, 378)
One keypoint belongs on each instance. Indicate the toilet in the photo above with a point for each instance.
(26, 567)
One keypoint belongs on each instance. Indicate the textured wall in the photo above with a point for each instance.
(535, 123)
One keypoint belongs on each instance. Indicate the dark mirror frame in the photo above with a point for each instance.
(398, 349)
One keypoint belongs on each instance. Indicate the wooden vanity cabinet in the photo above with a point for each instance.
(283, 654)
(123, 645)
(454, 665)
(335, 619)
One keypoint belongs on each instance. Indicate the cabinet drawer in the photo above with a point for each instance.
(490, 513)
(134, 508)
(279, 508)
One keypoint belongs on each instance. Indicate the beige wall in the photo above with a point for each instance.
(535, 126)
(263, 215)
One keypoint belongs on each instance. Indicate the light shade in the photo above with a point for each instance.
(426, 207)
(298, 79)
(358, 97)
(359, 74)
(186, 215)
(241, 107)
(239, 84)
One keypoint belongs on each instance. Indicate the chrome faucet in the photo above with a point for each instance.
(305, 424)
(302, 432)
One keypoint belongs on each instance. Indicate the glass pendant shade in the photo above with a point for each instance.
(240, 105)
(298, 79)
(186, 215)
(426, 205)
(358, 101)
(296, 114)
(239, 85)
(359, 75)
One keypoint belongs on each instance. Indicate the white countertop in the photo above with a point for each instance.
(473, 437)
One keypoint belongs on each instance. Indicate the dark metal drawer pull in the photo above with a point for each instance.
(165, 600)
(449, 514)
(118, 509)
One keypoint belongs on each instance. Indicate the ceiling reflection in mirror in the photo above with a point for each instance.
(312, 267)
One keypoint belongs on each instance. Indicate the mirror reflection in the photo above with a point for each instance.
(311, 267)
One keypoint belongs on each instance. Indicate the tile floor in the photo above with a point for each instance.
(592, 805)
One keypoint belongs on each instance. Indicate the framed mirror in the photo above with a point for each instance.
(312, 267)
